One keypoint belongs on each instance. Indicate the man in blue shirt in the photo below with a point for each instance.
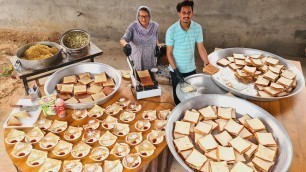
(181, 38)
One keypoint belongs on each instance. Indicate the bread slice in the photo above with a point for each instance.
(248, 61)
(212, 123)
(223, 62)
(225, 113)
(270, 76)
(277, 87)
(98, 96)
(177, 135)
(234, 67)
(221, 123)
(240, 62)
(240, 145)
(85, 80)
(239, 157)
(272, 61)
(226, 154)
(219, 166)
(70, 79)
(13, 122)
(288, 74)
(256, 56)
(243, 118)
(263, 68)
(263, 94)
(109, 83)
(191, 116)
(183, 143)
(262, 164)
(275, 69)
(223, 138)
(256, 62)
(212, 155)
(207, 143)
(245, 134)
(85, 74)
(67, 88)
(285, 82)
(231, 59)
(196, 159)
(182, 127)
(186, 153)
(203, 128)
(259, 87)
(79, 89)
(206, 166)
(265, 139)
(208, 113)
(94, 89)
(238, 56)
(197, 136)
(265, 153)
(85, 99)
(255, 125)
(270, 90)
(72, 100)
(251, 151)
(21, 114)
(100, 78)
(210, 69)
(240, 166)
(233, 127)
(249, 70)
(262, 81)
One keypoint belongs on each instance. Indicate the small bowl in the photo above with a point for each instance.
(155, 141)
(134, 107)
(123, 153)
(101, 157)
(22, 145)
(148, 116)
(71, 137)
(40, 161)
(126, 158)
(83, 114)
(130, 135)
(129, 119)
(146, 127)
(123, 102)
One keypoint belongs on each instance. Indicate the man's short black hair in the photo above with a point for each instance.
(183, 4)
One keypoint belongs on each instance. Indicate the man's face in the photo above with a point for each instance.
(143, 18)
(186, 14)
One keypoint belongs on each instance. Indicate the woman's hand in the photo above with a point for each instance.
(127, 49)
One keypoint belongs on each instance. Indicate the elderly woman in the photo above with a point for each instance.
(140, 40)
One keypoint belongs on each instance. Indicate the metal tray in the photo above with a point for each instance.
(248, 91)
(285, 150)
(93, 68)
(203, 84)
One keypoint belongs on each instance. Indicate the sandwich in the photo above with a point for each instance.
(109, 83)
(223, 138)
(256, 62)
(96, 111)
(72, 100)
(277, 87)
(203, 128)
(285, 82)
(109, 122)
(100, 78)
(133, 138)
(223, 62)
(243, 118)
(98, 96)
(212, 155)
(67, 88)
(79, 89)
(234, 67)
(36, 157)
(239, 56)
(219, 166)
(64, 96)
(21, 114)
(121, 129)
(270, 90)
(86, 99)
(21, 149)
(107, 90)
(240, 166)
(288, 74)
(149, 115)
(239, 157)
(263, 68)
(262, 81)
(183, 143)
(112, 166)
(225, 113)
(212, 123)
(127, 116)
(207, 143)
(257, 56)
(226, 154)
(249, 70)
(208, 113)
(258, 87)
(70, 80)
(186, 153)
(73, 133)
(240, 62)
(182, 127)
(85, 80)
(233, 127)
(272, 61)
(245, 134)
(62, 148)
(263, 94)
(254, 125)
(191, 116)
(14, 136)
(72, 165)
(262, 164)
(248, 61)
(265, 139)
(265, 153)
(13, 122)
(85, 74)
(275, 70)
(50, 165)
(99, 153)
(210, 69)
(107, 139)
(80, 150)
(94, 89)
(252, 150)
(240, 145)
(92, 124)
(58, 126)
(231, 59)
(196, 159)
(270, 76)
(131, 161)
(221, 123)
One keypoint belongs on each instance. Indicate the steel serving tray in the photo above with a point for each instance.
(93, 68)
(202, 83)
(247, 91)
(285, 150)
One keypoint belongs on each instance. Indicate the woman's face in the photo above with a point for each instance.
(144, 18)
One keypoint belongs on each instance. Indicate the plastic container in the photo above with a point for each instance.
(48, 105)
(60, 107)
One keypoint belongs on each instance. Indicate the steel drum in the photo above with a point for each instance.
(93, 68)
(248, 91)
(285, 150)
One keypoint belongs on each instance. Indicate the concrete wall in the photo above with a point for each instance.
(277, 26)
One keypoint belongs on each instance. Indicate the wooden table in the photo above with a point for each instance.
(290, 112)
(124, 91)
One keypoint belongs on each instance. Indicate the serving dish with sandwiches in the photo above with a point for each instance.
(84, 85)
(214, 132)
(256, 74)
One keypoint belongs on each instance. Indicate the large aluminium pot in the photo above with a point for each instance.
(75, 52)
(39, 64)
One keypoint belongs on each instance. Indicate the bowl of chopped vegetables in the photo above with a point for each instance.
(76, 42)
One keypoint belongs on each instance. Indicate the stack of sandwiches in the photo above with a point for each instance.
(213, 139)
(85, 87)
(270, 78)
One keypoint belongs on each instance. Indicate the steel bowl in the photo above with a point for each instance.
(285, 150)
(93, 68)
(202, 83)
(76, 52)
(39, 64)
(247, 90)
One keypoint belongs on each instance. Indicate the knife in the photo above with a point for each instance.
(26, 107)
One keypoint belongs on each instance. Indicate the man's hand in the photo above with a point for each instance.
(179, 75)
(127, 49)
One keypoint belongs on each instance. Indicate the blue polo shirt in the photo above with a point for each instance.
(183, 43)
